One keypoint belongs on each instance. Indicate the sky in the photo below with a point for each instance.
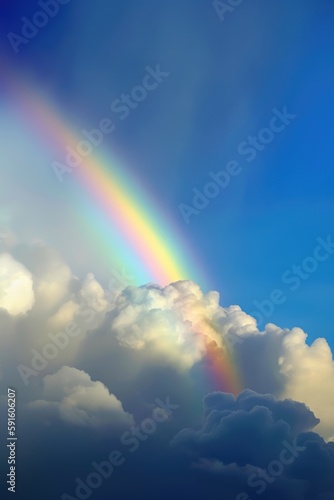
(167, 188)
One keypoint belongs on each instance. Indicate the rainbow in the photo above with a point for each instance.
(128, 225)
(114, 207)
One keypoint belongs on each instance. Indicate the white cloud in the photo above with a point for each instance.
(310, 376)
(170, 321)
(78, 400)
(148, 326)
(52, 285)
(93, 294)
(177, 321)
(16, 286)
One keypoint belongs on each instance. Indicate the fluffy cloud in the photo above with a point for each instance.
(78, 400)
(16, 286)
(89, 301)
(93, 294)
(131, 347)
(178, 321)
(52, 276)
(258, 445)
(309, 374)
(172, 325)
(175, 323)
(281, 362)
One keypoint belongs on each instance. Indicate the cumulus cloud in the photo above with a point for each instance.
(87, 306)
(175, 326)
(78, 400)
(16, 286)
(52, 280)
(93, 294)
(142, 343)
(281, 362)
(309, 374)
(51, 275)
(260, 422)
(178, 321)
(261, 446)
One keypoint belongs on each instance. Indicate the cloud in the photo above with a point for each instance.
(52, 276)
(162, 320)
(93, 294)
(150, 326)
(259, 445)
(253, 419)
(89, 299)
(309, 372)
(177, 321)
(79, 401)
(16, 286)
(281, 362)
(142, 343)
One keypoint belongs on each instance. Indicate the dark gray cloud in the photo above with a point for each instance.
(259, 446)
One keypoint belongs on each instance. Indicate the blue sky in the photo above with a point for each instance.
(225, 79)
(252, 92)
